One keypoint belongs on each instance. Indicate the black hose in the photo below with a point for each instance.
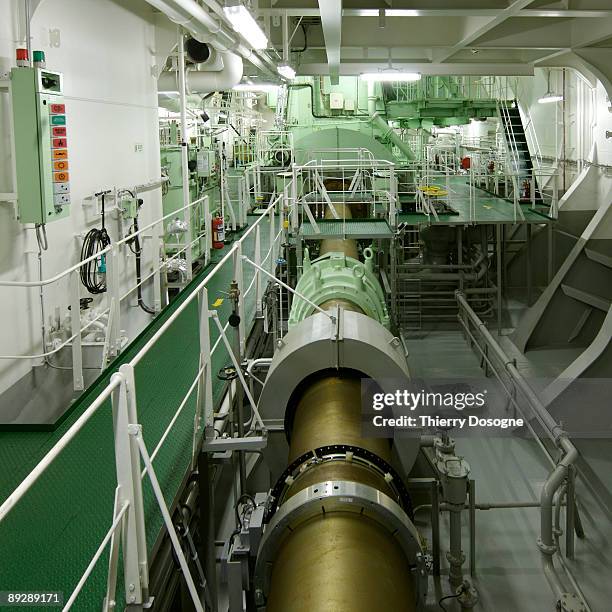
(135, 241)
(304, 31)
(93, 273)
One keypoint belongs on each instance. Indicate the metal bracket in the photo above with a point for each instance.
(248, 443)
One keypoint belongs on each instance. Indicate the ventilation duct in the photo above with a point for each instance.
(205, 82)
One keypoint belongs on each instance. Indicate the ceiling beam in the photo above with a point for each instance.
(331, 21)
(463, 68)
(443, 13)
(511, 11)
(585, 34)
(550, 56)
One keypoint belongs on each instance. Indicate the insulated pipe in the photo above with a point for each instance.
(205, 28)
(389, 133)
(371, 99)
(204, 82)
(171, 101)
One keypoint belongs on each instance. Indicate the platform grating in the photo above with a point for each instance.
(349, 228)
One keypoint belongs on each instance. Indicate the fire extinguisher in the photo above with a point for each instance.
(218, 232)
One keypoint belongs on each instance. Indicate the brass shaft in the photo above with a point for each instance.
(329, 412)
(348, 247)
(340, 561)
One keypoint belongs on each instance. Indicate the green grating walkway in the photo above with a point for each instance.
(489, 209)
(49, 538)
(347, 228)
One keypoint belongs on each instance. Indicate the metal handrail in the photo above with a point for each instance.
(124, 240)
(18, 493)
(59, 446)
(119, 380)
(145, 349)
(73, 269)
(560, 467)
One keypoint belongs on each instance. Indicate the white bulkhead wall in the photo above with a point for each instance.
(106, 52)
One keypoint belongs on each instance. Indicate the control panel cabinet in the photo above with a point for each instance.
(41, 145)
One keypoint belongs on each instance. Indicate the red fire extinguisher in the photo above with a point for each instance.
(218, 232)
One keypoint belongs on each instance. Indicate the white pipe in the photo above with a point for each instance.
(204, 82)
(171, 102)
(214, 61)
(371, 98)
(182, 88)
(203, 27)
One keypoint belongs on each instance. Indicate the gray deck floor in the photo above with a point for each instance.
(509, 576)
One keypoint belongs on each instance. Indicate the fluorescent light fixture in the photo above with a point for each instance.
(244, 23)
(550, 97)
(285, 70)
(168, 93)
(255, 87)
(391, 76)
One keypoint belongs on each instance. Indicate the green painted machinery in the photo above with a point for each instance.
(338, 277)
(172, 198)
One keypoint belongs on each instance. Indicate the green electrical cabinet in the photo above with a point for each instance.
(41, 145)
(172, 199)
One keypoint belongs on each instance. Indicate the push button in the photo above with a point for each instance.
(58, 131)
(61, 187)
(61, 199)
(58, 119)
(60, 177)
(60, 165)
(57, 109)
(60, 153)
(60, 143)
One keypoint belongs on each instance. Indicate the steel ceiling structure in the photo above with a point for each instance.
(493, 37)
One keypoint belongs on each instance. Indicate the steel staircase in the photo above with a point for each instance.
(519, 157)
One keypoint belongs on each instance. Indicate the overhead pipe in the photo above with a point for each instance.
(372, 98)
(390, 134)
(204, 82)
(205, 28)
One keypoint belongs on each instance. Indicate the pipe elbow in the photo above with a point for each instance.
(204, 82)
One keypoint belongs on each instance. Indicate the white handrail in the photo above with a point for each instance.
(125, 239)
(96, 557)
(194, 294)
(118, 379)
(59, 446)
